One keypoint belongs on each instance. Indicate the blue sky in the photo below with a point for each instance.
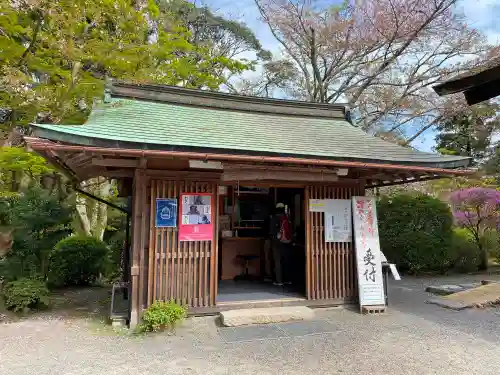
(482, 14)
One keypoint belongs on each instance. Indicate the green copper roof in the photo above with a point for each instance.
(201, 125)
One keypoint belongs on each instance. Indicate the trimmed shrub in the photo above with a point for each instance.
(162, 315)
(416, 232)
(491, 242)
(26, 294)
(76, 260)
(38, 221)
(466, 254)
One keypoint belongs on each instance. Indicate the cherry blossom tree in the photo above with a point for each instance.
(381, 57)
(477, 210)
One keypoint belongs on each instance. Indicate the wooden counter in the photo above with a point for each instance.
(234, 246)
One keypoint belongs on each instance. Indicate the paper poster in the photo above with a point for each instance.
(196, 217)
(368, 256)
(338, 220)
(316, 205)
(166, 213)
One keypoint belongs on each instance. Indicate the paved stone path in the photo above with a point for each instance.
(412, 338)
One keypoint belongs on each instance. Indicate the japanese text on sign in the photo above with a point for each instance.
(368, 255)
(338, 220)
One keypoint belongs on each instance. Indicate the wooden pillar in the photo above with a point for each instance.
(138, 211)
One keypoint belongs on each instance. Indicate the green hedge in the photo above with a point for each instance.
(77, 260)
(26, 294)
(416, 232)
(465, 253)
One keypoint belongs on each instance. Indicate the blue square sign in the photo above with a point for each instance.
(166, 212)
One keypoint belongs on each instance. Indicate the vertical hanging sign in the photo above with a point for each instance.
(368, 255)
(196, 217)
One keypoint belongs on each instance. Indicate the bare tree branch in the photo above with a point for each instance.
(380, 56)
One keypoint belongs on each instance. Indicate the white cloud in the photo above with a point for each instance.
(483, 15)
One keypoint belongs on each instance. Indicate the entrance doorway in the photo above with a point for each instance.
(249, 260)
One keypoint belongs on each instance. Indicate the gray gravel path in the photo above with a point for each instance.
(412, 338)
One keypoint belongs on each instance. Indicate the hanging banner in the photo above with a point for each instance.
(368, 255)
(196, 217)
(338, 220)
(166, 213)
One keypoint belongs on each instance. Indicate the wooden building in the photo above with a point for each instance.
(235, 157)
(478, 85)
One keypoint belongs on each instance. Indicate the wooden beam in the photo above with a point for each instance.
(253, 175)
(407, 181)
(121, 163)
(282, 168)
(118, 173)
(187, 175)
(345, 183)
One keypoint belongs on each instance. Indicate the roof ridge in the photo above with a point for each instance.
(227, 101)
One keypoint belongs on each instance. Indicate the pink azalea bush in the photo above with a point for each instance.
(477, 210)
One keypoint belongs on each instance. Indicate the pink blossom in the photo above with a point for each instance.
(476, 206)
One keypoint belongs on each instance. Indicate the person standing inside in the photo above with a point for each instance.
(281, 237)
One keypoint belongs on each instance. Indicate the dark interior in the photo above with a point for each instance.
(253, 211)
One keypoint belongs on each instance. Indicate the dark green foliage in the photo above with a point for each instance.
(116, 243)
(465, 253)
(26, 294)
(469, 133)
(416, 232)
(114, 237)
(39, 220)
(162, 315)
(76, 260)
(226, 37)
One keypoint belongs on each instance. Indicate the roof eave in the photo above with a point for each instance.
(458, 84)
(145, 149)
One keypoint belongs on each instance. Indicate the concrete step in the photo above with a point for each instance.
(241, 317)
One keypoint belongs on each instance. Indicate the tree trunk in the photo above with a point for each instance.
(483, 265)
(81, 209)
(93, 215)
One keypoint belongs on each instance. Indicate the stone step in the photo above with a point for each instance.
(241, 317)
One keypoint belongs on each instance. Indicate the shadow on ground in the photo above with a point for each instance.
(409, 296)
(81, 303)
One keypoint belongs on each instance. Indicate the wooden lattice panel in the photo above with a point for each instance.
(183, 271)
(330, 267)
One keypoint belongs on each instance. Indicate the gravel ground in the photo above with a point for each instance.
(412, 338)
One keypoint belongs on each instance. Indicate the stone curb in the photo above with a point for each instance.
(452, 305)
